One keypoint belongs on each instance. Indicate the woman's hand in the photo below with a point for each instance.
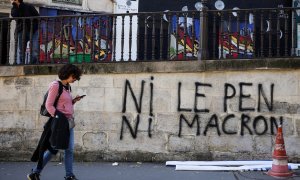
(77, 98)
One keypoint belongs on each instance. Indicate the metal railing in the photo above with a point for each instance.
(156, 36)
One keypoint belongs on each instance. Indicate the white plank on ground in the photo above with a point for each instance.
(231, 168)
(217, 163)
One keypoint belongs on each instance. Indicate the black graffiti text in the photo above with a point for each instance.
(258, 125)
(230, 92)
(138, 105)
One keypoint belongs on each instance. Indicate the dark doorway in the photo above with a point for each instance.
(3, 37)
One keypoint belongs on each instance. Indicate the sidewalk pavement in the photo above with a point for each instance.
(126, 171)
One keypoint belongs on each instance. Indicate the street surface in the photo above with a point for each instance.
(125, 171)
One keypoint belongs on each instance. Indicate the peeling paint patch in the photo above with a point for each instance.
(10, 139)
(94, 141)
(9, 81)
(23, 82)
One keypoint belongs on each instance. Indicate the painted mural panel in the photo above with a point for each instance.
(236, 41)
(232, 42)
(184, 37)
(74, 39)
(236, 35)
(177, 5)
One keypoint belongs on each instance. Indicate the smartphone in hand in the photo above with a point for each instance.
(81, 96)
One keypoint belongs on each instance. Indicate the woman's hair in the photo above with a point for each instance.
(67, 70)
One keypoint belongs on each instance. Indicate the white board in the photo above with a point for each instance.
(217, 163)
(230, 168)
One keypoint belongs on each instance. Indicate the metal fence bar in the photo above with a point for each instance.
(177, 34)
(93, 46)
(161, 36)
(286, 34)
(214, 36)
(221, 36)
(261, 35)
(169, 35)
(153, 38)
(185, 34)
(83, 39)
(254, 33)
(8, 42)
(130, 37)
(46, 42)
(107, 25)
(92, 57)
(38, 40)
(145, 38)
(193, 34)
(23, 46)
(99, 38)
(61, 39)
(30, 60)
(1, 39)
(278, 35)
(53, 40)
(114, 38)
(294, 32)
(76, 39)
(246, 33)
(229, 35)
(270, 35)
(68, 37)
(238, 33)
(122, 38)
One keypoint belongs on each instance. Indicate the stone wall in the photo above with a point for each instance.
(157, 111)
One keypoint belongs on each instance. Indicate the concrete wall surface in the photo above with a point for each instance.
(159, 111)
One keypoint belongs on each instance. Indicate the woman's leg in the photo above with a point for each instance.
(46, 158)
(69, 155)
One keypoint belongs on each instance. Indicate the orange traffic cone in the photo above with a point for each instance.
(280, 160)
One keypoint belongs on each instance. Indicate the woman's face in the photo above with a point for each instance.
(71, 79)
(15, 1)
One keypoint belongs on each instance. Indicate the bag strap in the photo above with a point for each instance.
(60, 90)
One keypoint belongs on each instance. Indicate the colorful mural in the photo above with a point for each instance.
(237, 43)
(233, 49)
(74, 39)
(187, 40)
(176, 5)
(226, 41)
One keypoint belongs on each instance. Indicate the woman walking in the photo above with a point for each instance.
(65, 106)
